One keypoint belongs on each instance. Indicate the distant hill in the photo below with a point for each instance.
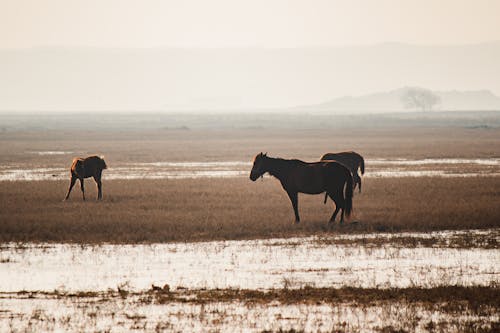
(391, 101)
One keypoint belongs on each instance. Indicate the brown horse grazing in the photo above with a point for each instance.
(82, 168)
(352, 161)
(311, 178)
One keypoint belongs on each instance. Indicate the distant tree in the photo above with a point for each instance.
(419, 98)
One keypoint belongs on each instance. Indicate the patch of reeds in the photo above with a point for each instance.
(451, 297)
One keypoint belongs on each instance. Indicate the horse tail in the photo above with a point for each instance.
(362, 165)
(348, 194)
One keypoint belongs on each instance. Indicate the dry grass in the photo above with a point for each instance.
(453, 296)
(242, 145)
(207, 209)
(443, 309)
(474, 297)
(463, 240)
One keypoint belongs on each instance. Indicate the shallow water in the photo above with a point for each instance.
(254, 264)
(327, 261)
(50, 152)
(114, 314)
(427, 161)
(385, 168)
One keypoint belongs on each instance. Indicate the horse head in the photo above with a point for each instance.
(258, 169)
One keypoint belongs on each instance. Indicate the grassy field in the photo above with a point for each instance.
(211, 209)
(185, 210)
(205, 209)
(243, 144)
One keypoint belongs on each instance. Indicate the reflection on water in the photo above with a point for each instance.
(385, 168)
(50, 152)
(36, 281)
(427, 161)
(137, 313)
(399, 173)
(254, 264)
(210, 165)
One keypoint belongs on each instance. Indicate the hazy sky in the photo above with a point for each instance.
(227, 23)
(115, 75)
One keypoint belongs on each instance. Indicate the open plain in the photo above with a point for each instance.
(184, 240)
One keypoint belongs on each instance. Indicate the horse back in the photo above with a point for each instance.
(87, 167)
(335, 170)
(350, 159)
(335, 167)
(317, 177)
(306, 178)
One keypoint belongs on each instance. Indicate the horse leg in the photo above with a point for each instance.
(295, 203)
(338, 198)
(332, 219)
(342, 205)
(99, 187)
(72, 183)
(83, 190)
(359, 180)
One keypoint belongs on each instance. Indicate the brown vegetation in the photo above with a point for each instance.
(242, 144)
(473, 297)
(443, 309)
(206, 209)
(452, 297)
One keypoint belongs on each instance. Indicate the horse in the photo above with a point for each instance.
(87, 167)
(297, 176)
(350, 160)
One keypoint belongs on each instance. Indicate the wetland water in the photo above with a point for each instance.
(255, 264)
(37, 281)
(444, 167)
(139, 314)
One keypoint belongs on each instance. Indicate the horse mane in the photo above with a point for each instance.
(284, 165)
(294, 160)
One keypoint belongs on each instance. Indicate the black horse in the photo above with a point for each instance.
(352, 160)
(311, 178)
(82, 168)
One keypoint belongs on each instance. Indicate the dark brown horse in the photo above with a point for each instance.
(82, 168)
(312, 178)
(352, 161)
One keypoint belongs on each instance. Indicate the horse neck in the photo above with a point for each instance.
(277, 167)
